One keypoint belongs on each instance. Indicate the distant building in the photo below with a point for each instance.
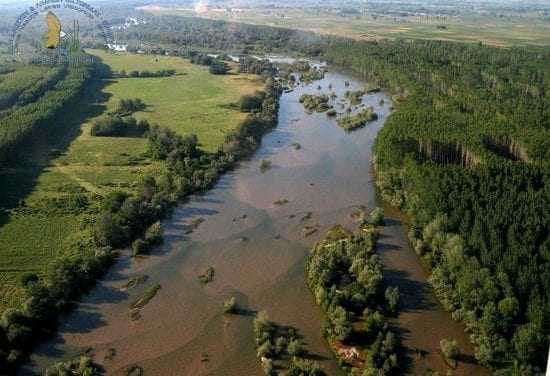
(118, 47)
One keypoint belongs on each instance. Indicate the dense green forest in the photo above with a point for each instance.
(466, 156)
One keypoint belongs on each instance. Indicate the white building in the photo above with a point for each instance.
(118, 47)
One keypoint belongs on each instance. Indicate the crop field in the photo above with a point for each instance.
(528, 30)
(50, 196)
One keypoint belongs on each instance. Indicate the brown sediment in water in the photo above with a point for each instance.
(183, 330)
(422, 321)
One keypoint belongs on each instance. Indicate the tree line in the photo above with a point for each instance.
(22, 122)
(466, 156)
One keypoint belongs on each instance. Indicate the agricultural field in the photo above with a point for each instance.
(50, 196)
(528, 30)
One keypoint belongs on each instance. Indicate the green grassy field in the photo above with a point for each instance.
(193, 101)
(527, 30)
(70, 162)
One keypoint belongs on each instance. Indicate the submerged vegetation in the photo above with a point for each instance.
(317, 103)
(355, 97)
(280, 348)
(146, 297)
(207, 276)
(230, 305)
(352, 122)
(82, 366)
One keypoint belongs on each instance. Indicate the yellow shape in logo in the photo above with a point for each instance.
(53, 36)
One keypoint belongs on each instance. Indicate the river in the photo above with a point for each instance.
(257, 249)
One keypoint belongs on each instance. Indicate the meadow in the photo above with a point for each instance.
(51, 195)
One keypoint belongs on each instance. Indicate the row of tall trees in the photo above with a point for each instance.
(49, 101)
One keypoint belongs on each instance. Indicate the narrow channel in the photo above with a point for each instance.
(257, 249)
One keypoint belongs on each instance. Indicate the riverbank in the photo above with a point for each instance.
(256, 247)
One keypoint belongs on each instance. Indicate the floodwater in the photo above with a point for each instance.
(257, 249)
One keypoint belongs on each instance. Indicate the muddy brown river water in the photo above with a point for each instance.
(257, 249)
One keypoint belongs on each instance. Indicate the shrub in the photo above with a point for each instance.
(219, 67)
(139, 247)
(128, 106)
(267, 366)
(376, 217)
(303, 367)
(110, 230)
(252, 103)
(28, 278)
(153, 235)
(113, 201)
(265, 165)
(449, 349)
(82, 366)
(116, 126)
(317, 103)
(352, 122)
(295, 347)
(230, 305)
(265, 350)
(163, 142)
(392, 299)
(281, 344)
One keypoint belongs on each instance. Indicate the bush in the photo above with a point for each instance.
(153, 235)
(267, 366)
(139, 247)
(376, 217)
(252, 103)
(295, 347)
(352, 122)
(164, 142)
(129, 106)
(112, 231)
(113, 201)
(303, 367)
(317, 103)
(265, 165)
(230, 305)
(392, 299)
(281, 344)
(28, 278)
(265, 350)
(82, 366)
(219, 67)
(116, 126)
(449, 349)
